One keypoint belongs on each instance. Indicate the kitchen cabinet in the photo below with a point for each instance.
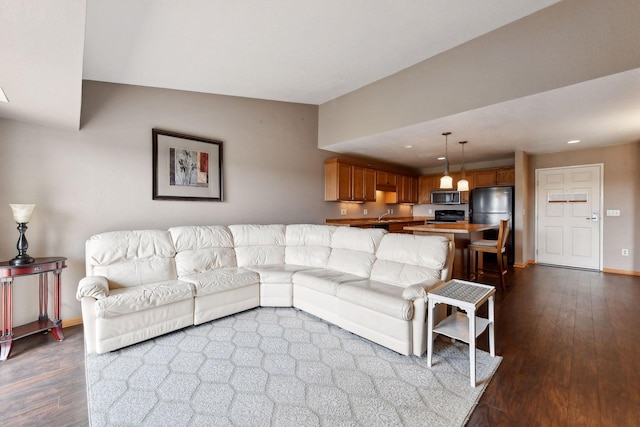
(348, 183)
(485, 178)
(506, 176)
(490, 177)
(407, 189)
(426, 184)
(386, 181)
(364, 184)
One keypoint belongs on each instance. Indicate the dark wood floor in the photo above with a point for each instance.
(570, 342)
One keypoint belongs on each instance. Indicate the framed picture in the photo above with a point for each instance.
(186, 167)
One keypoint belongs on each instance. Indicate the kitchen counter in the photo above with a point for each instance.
(393, 224)
(363, 222)
(453, 228)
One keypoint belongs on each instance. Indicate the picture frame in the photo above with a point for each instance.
(186, 167)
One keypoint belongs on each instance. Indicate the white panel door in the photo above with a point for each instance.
(568, 226)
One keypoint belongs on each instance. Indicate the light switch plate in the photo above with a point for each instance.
(613, 212)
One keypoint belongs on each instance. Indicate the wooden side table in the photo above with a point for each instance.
(467, 296)
(42, 267)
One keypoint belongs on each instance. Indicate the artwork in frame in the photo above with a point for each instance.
(186, 167)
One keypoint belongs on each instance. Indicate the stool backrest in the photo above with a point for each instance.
(503, 235)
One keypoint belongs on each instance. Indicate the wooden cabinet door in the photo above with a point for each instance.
(506, 176)
(357, 190)
(387, 179)
(425, 186)
(345, 182)
(370, 177)
(485, 178)
(404, 189)
(364, 184)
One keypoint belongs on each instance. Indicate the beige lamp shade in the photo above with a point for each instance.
(22, 213)
(446, 182)
(463, 185)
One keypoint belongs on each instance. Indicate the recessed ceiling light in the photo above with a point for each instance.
(3, 97)
(408, 146)
(573, 141)
(442, 158)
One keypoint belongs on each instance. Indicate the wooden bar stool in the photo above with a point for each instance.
(498, 247)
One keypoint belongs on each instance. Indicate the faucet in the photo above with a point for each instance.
(383, 215)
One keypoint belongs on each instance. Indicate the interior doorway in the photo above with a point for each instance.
(568, 216)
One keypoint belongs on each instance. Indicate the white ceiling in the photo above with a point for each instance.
(296, 51)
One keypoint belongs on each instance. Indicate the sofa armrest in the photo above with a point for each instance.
(96, 287)
(420, 290)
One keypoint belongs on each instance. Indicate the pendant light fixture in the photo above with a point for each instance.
(446, 182)
(463, 184)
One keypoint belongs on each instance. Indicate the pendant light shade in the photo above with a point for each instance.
(463, 184)
(446, 182)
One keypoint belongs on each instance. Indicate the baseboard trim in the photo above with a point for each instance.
(519, 265)
(71, 322)
(625, 272)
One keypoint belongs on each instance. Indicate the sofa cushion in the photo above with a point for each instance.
(131, 258)
(323, 280)
(137, 298)
(308, 244)
(377, 296)
(224, 279)
(202, 248)
(277, 273)
(405, 259)
(259, 244)
(353, 250)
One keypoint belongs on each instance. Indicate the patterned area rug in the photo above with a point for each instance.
(280, 367)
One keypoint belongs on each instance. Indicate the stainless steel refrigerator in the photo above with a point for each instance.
(489, 205)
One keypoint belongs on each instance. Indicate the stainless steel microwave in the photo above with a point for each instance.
(445, 197)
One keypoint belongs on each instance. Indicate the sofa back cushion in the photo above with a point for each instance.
(202, 248)
(406, 259)
(131, 258)
(353, 250)
(259, 244)
(308, 244)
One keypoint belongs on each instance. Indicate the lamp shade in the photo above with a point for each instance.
(463, 185)
(22, 213)
(446, 182)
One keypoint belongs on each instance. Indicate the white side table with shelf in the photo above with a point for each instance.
(467, 296)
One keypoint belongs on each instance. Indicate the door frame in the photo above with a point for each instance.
(600, 208)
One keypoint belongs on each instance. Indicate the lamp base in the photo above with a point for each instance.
(22, 260)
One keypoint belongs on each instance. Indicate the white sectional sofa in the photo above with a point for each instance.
(145, 283)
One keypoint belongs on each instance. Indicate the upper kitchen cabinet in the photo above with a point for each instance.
(490, 177)
(386, 181)
(426, 184)
(348, 183)
(485, 178)
(506, 176)
(406, 190)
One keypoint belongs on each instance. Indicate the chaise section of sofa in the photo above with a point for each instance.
(390, 307)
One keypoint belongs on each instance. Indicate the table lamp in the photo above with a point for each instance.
(22, 215)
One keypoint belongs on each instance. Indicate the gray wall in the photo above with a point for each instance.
(99, 178)
(532, 55)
